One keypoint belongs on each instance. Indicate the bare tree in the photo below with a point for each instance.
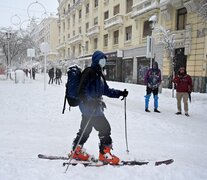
(14, 46)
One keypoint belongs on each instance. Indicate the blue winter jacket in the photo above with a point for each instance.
(92, 87)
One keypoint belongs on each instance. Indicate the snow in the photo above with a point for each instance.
(31, 122)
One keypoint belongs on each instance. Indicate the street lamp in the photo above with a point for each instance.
(44, 47)
(8, 36)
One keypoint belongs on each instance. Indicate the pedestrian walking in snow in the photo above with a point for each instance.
(152, 81)
(51, 75)
(91, 89)
(183, 84)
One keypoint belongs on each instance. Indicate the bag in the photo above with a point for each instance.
(71, 93)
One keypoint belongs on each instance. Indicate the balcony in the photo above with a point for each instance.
(114, 22)
(183, 38)
(60, 46)
(93, 31)
(75, 39)
(144, 7)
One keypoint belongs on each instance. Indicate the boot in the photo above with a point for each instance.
(80, 154)
(107, 157)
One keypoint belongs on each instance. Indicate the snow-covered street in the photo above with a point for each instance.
(31, 122)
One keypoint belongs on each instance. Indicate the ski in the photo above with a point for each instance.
(122, 163)
(97, 163)
(42, 156)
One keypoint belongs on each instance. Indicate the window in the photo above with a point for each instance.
(95, 43)
(80, 30)
(116, 37)
(79, 49)
(181, 18)
(73, 33)
(147, 30)
(74, 19)
(86, 46)
(68, 23)
(87, 26)
(68, 52)
(129, 4)
(116, 9)
(87, 8)
(95, 20)
(73, 55)
(95, 3)
(106, 40)
(128, 33)
(106, 15)
(80, 14)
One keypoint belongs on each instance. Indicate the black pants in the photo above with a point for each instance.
(51, 80)
(150, 90)
(101, 125)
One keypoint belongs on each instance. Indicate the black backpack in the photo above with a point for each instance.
(71, 93)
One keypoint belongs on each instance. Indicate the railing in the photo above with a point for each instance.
(144, 6)
(93, 31)
(116, 20)
(75, 39)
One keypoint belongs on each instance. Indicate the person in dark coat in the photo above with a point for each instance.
(183, 84)
(152, 81)
(91, 89)
(33, 73)
(57, 76)
(51, 75)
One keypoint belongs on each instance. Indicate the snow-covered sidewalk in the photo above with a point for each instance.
(31, 122)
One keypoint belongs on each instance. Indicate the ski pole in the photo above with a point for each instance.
(64, 105)
(72, 154)
(125, 117)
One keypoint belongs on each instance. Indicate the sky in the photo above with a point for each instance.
(16, 13)
(32, 123)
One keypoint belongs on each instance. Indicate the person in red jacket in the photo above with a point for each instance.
(183, 84)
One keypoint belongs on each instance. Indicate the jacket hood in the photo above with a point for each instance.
(97, 55)
(155, 65)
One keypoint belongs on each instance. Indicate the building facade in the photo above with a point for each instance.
(120, 28)
(46, 31)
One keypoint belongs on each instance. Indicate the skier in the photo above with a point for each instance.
(183, 83)
(152, 81)
(92, 86)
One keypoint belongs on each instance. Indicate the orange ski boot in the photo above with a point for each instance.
(80, 154)
(107, 157)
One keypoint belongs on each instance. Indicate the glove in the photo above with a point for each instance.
(124, 93)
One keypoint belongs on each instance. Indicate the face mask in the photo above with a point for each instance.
(102, 62)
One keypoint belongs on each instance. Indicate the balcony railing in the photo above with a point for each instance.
(143, 7)
(183, 39)
(115, 21)
(93, 31)
(75, 39)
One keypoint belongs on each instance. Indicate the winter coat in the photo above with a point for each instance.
(153, 77)
(92, 87)
(51, 73)
(183, 83)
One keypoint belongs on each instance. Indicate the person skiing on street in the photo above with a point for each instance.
(152, 81)
(91, 89)
(183, 83)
